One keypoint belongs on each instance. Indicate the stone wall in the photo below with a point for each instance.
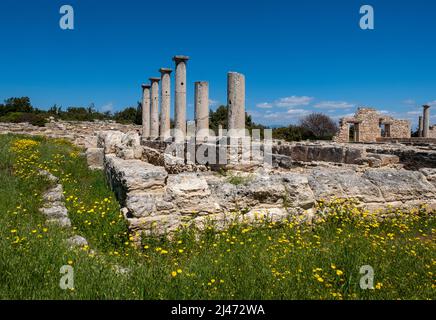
(399, 128)
(159, 195)
(367, 126)
(432, 132)
(81, 133)
(157, 202)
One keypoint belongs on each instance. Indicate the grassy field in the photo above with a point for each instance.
(271, 261)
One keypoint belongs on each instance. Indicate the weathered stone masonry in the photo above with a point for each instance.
(368, 125)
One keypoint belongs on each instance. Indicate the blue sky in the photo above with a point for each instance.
(298, 56)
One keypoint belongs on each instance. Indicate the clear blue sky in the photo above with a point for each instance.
(298, 56)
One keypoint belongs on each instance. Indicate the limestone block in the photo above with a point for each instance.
(95, 158)
(109, 140)
(133, 175)
(156, 225)
(143, 204)
(401, 185)
(77, 241)
(352, 154)
(331, 154)
(370, 161)
(190, 193)
(344, 183)
(299, 153)
(386, 159)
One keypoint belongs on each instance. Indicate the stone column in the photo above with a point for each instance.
(146, 111)
(426, 121)
(165, 130)
(202, 110)
(420, 125)
(154, 108)
(236, 104)
(180, 98)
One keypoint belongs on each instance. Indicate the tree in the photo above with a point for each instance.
(290, 133)
(138, 119)
(220, 115)
(128, 115)
(319, 125)
(16, 105)
(55, 110)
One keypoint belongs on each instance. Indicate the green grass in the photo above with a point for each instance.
(271, 261)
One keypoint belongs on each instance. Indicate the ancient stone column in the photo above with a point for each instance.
(420, 125)
(426, 121)
(154, 108)
(202, 110)
(165, 130)
(180, 98)
(236, 104)
(146, 110)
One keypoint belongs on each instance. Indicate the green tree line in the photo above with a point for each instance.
(314, 126)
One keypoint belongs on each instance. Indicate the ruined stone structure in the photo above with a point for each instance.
(160, 192)
(162, 184)
(236, 104)
(154, 108)
(426, 121)
(420, 126)
(368, 125)
(146, 110)
(428, 131)
(180, 98)
(153, 128)
(432, 132)
(165, 130)
(202, 110)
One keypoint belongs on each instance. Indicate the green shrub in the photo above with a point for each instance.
(19, 117)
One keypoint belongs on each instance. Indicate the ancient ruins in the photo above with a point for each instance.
(368, 125)
(166, 178)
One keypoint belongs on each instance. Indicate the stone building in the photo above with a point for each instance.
(432, 132)
(369, 125)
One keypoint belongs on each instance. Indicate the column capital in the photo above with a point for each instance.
(426, 106)
(145, 86)
(165, 70)
(154, 79)
(180, 58)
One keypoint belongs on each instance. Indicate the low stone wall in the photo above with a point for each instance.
(411, 158)
(157, 202)
(314, 152)
(160, 192)
(81, 133)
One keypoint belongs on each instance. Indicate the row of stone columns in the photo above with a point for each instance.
(424, 122)
(155, 127)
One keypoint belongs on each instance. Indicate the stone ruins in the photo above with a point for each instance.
(165, 178)
(368, 125)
